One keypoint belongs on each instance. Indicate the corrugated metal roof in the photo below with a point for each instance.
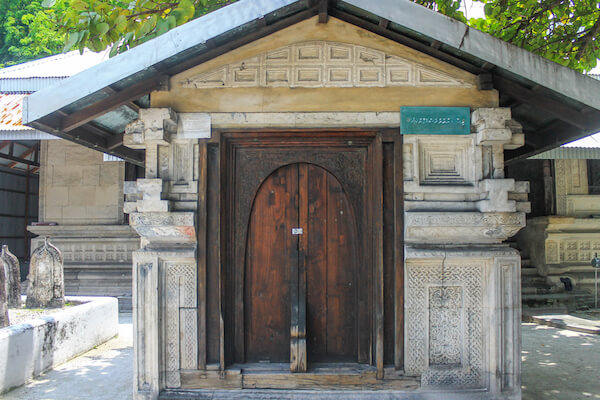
(61, 65)
(569, 153)
(26, 85)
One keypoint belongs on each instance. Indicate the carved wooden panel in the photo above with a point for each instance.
(323, 64)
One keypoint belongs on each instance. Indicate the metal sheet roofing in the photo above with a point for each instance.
(588, 142)
(58, 66)
(553, 103)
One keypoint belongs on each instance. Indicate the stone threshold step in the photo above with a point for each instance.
(565, 321)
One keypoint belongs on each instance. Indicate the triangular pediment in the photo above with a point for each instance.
(320, 63)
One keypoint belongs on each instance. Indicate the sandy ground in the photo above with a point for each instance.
(557, 365)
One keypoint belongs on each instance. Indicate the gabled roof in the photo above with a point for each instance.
(553, 103)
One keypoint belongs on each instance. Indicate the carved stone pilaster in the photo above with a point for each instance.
(162, 209)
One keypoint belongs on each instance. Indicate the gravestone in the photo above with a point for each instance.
(13, 277)
(46, 280)
(4, 322)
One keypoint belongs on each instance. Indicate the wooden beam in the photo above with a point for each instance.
(25, 154)
(539, 100)
(323, 14)
(18, 160)
(115, 141)
(110, 103)
(405, 40)
(384, 23)
(436, 44)
(130, 104)
(485, 81)
(234, 44)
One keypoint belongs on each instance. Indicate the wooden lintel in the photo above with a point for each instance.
(323, 13)
(539, 100)
(112, 102)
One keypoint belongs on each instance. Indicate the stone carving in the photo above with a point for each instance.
(181, 321)
(461, 227)
(46, 280)
(4, 321)
(323, 64)
(445, 314)
(445, 163)
(429, 352)
(13, 277)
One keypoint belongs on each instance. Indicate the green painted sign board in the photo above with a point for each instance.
(435, 120)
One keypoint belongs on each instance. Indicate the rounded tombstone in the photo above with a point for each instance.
(13, 277)
(46, 281)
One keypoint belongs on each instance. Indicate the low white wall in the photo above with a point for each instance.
(26, 350)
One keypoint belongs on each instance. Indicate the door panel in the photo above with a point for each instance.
(327, 251)
(270, 252)
(331, 271)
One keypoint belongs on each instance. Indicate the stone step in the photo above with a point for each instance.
(529, 272)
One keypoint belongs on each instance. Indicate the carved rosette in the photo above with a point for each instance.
(46, 280)
(13, 277)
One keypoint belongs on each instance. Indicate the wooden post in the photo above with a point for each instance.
(398, 255)
(378, 255)
(202, 220)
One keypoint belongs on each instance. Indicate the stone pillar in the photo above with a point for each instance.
(162, 209)
(13, 277)
(46, 280)
(462, 284)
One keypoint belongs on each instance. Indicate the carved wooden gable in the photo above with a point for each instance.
(323, 64)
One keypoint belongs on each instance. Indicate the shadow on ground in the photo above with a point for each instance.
(559, 364)
(102, 373)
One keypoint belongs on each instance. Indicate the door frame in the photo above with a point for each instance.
(227, 140)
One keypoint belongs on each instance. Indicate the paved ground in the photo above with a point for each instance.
(104, 373)
(558, 364)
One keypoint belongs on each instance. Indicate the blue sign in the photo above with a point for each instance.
(435, 120)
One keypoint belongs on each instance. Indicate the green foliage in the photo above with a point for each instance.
(27, 31)
(565, 31)
(98, 24)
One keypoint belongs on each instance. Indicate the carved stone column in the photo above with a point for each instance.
(162, 209)
(462, 284)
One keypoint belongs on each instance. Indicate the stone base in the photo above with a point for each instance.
(562, 247)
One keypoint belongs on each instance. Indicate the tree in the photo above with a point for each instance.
(27, 32)
(565, 31)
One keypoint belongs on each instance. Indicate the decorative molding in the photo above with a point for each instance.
(323, 64)
(181, 341)
(461, 227)
(444, 323)
(443, 162)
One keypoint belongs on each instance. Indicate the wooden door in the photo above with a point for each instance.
(304, 282)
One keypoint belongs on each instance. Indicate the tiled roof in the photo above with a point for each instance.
(10, 113)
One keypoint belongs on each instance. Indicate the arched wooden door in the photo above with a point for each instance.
(301, 269)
